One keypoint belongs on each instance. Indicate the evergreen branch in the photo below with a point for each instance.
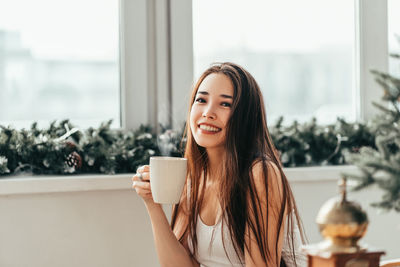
(385, 109)
(364, 180)
(383, 167)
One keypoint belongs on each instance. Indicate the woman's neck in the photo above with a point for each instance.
(215, 159)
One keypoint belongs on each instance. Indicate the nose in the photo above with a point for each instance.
(209, 113)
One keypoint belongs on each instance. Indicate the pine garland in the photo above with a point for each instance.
(64, 149)
(310, 144)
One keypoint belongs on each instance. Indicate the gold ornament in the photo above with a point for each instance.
(342, 223)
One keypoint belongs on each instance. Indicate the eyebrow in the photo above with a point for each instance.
(206, 93)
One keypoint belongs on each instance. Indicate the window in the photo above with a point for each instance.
(300, 52)
(394, 35)
(303, 62)
(59, 59)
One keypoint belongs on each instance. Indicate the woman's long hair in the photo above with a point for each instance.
(247, 142)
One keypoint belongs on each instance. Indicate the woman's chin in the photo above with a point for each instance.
(210, 145)
(209, 141)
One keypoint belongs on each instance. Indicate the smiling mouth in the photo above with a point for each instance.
(209, 128)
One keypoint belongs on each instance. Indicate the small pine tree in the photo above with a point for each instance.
(381, 166)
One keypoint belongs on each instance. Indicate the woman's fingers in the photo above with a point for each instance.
(140, 182)
(141, 185)
(144, 176)
(144, 168)
(142, 192)
(142, 189)
(142, 173)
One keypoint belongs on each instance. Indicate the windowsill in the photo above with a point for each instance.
(61, 183)
(99, 182)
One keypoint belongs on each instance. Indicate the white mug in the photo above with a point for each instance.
(167, 178)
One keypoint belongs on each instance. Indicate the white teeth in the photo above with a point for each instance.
(208, 128)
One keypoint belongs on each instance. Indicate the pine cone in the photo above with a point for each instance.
(74, 160)
(69, 144)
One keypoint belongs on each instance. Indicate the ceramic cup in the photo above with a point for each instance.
(167, 178)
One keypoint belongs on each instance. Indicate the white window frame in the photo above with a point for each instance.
(371, 52)
(157, 59)
(156, 62)
(147, 80)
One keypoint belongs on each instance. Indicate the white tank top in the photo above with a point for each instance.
(210, 250)
(211, 253)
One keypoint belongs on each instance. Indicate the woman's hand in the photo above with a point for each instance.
(141, 183)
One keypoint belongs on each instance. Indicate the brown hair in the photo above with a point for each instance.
(247, 142)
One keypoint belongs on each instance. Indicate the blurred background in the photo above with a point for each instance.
(61, 59)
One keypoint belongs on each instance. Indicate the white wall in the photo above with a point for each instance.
(98, 221)
(98, 228)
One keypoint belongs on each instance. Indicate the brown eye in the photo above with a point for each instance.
(200, 100)
(226, 104)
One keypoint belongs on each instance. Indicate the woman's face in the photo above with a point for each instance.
(211, 110)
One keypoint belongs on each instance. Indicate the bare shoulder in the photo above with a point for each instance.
(273, 173)
(267, 210)
(273, 177)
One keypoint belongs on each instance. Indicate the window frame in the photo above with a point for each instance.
(371, 53)
(157, 60)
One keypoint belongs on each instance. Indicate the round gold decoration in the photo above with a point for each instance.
(342, 223)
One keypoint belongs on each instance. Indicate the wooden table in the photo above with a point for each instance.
(362, 258)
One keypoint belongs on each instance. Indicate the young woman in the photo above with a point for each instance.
(237, 208)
